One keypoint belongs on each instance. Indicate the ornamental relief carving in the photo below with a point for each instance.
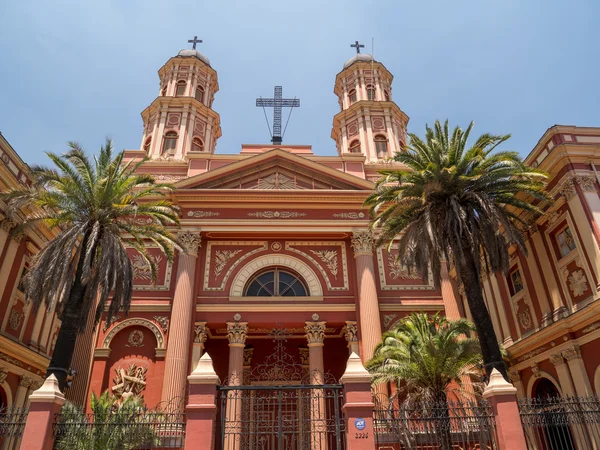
(276, 214)
(330, 258)
(398, 271)
(141, 268)
(351, 332)
(3, 374)
(222, 257)
(200, 333)
(160, 341)
(315, 332)
(349, 215)
(362, 241)
(215, 280)
(327, 260)
(201, 214)
(135, 339)
(189, 241)
(142, 275)
(237, 332)
(577, 282)
(393, 276)
(129, 381)
(15, 319)
(163, 321)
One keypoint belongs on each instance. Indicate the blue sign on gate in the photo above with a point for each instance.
(360, 424)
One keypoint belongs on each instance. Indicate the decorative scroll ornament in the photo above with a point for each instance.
(200, 333)
(397, 270)
(203, 214)
(330, 258)
(349, 215)
(525, 319)
(304, 356)
(532, 353)
(136, 339)
(163, 321)
(315, 332)
(141, 268)
(222, 257)
(351, 332)
(514, 375)
(3, 374)
(557, 359)
(130, 381)
(189, 241)
(248, 356)
(572, 353)
(277, 214)
(536, 371)
(15, 319)
(237, 332)
(362, 242)
(578, 283)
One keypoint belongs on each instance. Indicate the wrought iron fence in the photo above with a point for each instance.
(142, 429)
(434, 425)
(556, 423)
(292, 417)
(12, 424)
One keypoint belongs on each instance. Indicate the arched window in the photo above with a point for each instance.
(180, 87)
(200, 94)
(355, 146)
(147, 144)
(371, 93)
(276, 283)
(386, 94)
(170, 143)
(381, 146)
(197, 145)
(352, 96)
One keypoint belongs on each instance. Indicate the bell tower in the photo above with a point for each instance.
(181, 119)
(369, 122)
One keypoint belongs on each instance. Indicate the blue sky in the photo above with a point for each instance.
(81, 70)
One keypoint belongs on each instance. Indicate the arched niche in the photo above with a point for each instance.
(160, 338)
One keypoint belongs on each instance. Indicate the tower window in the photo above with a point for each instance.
(200, 94)
(170, 143)
(180, 87)
(147, 144)
(381, 146)
(371, 93)
(386, 94)
(276, 283)
(197, 145)
(355, 146)
(352, 96)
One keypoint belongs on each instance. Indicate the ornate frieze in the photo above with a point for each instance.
(531, 354)
(131, 322)
(362, 242)
(222, 257)
(210, 284)
(351, 332)
(200, 333)
(276, 214)
(10, 359)
(349, 215)
(572, 353)
(201, 214)
(237, 332)
(591, 327)
(330, 258)
(189, 241)
(315, 332)
(129, 381)
(163, 321)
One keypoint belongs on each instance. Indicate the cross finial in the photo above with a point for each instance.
(356, 45)
(196, 41)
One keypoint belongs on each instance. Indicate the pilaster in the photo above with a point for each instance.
(580, 378)
(564, 378)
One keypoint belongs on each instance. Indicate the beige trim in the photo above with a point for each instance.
(437, 307)
(318, 298)
(145, 307)
(22, 353)
(297, 307)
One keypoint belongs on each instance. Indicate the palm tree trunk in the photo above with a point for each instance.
(490, 350)
(71, 316)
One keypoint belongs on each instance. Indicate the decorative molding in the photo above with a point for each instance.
(169, 177)
(381, 264)
(163, 321)
(203, 214)
(531, 354)
(351, 331)
(10, 359)
(135, 339)
(160, 339)
(189, 241)
(330, 258)
(349, 215)
(587, 182)
(237, 332)
(276, 214)
(222, 257)
(567, 188)
(592, 327)
(315, 333)
(276, 246)
(200, 333)
(261, 246)
(292, 247)
(15, 319)
(362, 242)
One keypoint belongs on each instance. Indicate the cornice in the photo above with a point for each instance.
(358, 65)
(24, 354)
(362, 107)
(176, 61)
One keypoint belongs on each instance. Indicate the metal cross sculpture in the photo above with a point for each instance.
(277, 102)
(195, 41)
(356, 45)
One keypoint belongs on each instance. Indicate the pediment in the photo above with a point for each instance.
(276, 170)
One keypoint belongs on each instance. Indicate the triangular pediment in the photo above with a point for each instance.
(277, 170)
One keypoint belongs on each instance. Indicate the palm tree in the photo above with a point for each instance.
(96, 207)
(462, 204)
(425, 355)
(112, 425)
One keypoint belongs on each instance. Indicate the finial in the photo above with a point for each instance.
(356, 45)
(198, 41)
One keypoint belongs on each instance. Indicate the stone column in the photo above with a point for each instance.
(21, 395)
(451, 306)
(200, 336)
(351, 334)
(315, 334)
(580, 378)
(236, 334)
(566, 385)
(180, 333)
(369, 321)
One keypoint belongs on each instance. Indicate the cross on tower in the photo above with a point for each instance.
(195, 41)
(277, 102)
(356, 45)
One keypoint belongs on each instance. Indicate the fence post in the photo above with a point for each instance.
(502, 396)
(45, 404)
(358, 408)
(201, 409)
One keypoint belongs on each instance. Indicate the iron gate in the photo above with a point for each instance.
(291, 417)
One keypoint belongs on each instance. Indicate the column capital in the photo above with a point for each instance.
(200, 332)
(26, 382)
(572, 353)
(362, 242)
(189, 240)
(351, 331)
(236, 333)
(557, 359)
(315, 333)
(514, 375)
